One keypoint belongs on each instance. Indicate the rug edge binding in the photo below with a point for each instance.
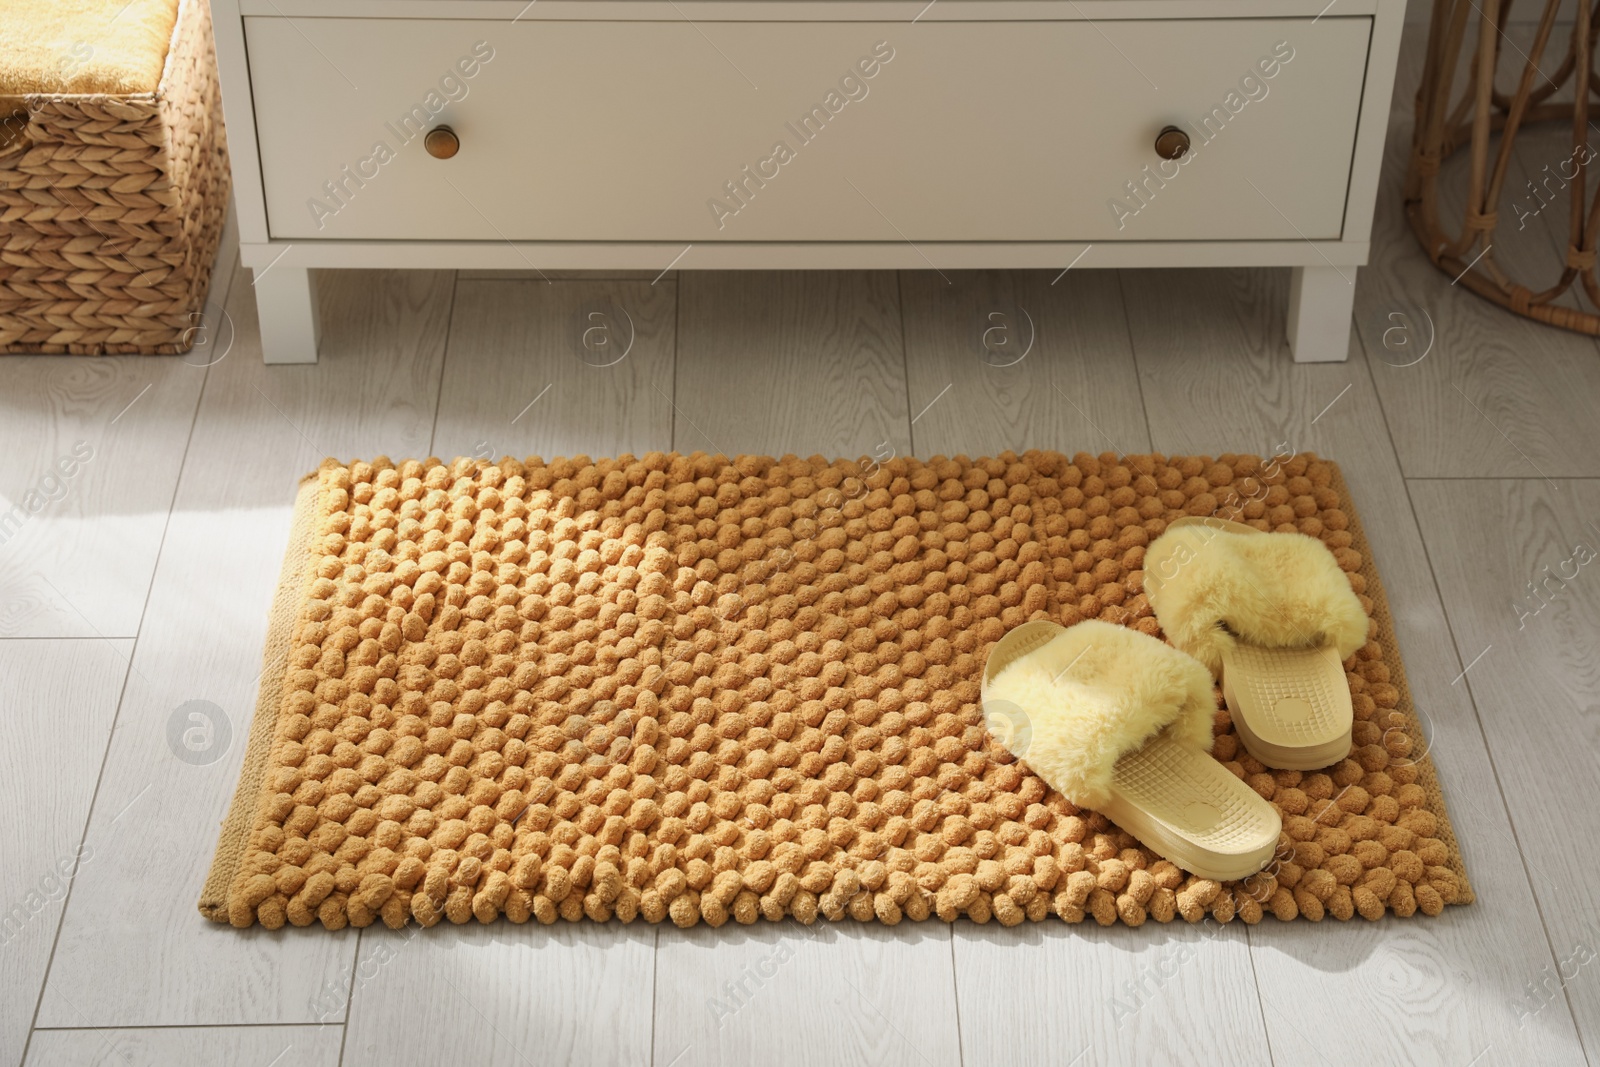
(293, 579)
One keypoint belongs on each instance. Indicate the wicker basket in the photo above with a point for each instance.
(111, 209)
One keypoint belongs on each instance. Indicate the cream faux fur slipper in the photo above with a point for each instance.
(1119, 722)
(1273, 617)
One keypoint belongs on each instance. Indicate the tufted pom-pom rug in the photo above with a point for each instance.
(689, 687)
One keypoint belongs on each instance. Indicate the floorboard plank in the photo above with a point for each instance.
(243, 1046)
(1015, 360)
(520, 380)
(1415, 990)
(507, 995)
(782, 994)
(55, 690)
(1053, 993)
(1529, 654)
(802, 362)
(133, 949)
(93, 447)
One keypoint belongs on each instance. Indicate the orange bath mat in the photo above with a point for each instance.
(689, 687)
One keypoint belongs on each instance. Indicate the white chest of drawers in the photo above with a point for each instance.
(727, 134)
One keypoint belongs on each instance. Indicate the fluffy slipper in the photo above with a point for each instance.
(1121, 723)
(1273, 617)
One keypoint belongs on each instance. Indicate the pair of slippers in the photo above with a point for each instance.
(1120, 722)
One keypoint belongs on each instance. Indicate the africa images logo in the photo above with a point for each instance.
(199, 732)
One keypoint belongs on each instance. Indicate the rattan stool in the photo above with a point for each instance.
(1488, 120)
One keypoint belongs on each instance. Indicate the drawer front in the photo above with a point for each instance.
(740, 131)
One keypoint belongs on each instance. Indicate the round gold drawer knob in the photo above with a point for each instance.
(1171, 143)
(442, 142)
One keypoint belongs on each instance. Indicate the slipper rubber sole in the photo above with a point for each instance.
(1178, 801)
(1290, 707)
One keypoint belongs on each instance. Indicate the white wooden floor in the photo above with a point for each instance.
(133, 611)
